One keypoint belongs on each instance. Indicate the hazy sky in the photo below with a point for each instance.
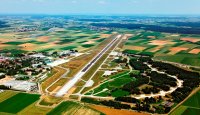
(100, 6)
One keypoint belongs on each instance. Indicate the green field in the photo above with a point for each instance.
(189, 107)
(193, 101)
(182, 58)
(61, 39)
(112, 83)
(18, 102)
(71, 108)
(119, 93)
(161, 47)
(87, 45)
(119, 82)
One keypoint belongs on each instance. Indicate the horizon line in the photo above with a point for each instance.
(97, 14)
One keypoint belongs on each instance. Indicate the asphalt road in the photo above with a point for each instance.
(85, 69)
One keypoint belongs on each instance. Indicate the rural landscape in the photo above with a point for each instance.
(99, 64)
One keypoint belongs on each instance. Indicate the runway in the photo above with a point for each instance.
(85, 69)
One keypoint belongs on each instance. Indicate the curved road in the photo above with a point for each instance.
(142, 96)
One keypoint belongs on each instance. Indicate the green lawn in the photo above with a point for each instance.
(119, 93)
(18, 102)
(103, 94)
(119, 82)
(118, 75)
(114, 83)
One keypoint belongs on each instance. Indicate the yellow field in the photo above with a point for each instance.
(137, 48)
(34, 110)
(6, 94)
(161, 42)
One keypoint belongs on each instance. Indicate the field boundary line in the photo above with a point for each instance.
(191, 94)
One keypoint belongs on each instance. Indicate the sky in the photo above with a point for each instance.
(87, 7)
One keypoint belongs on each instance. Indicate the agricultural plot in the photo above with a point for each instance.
(193, 101)
(55, 39)
(189, 107)
(167, 47)
(18, 102)
(112, 111)
(181, 58)
(6, 94)
(72, 108)
(34, 110)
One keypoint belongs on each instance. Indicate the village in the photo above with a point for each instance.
(22, 72)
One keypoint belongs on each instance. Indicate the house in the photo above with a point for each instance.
(167, 104)
(64, 53)
(2, 74)
(38, 55)
(2, 59)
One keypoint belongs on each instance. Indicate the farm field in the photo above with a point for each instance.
(18, 102)
(111, 111)
(6, 94)
(34, 110)
(74, 108)
(147, 69)
(52, 39)
(189, 107)
(166, 47)
(58, 44)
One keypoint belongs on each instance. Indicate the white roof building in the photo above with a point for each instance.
(39, 55)
(1, 74)
(21, 85)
